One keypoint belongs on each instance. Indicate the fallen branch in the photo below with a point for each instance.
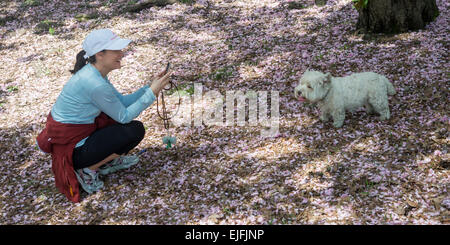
(148, 4)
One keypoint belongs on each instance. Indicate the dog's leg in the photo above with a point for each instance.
(385, 114)
(324, 116)
(338, 117)
(381, 105)
(369, 109)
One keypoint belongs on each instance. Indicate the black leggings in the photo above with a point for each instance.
(117, 138)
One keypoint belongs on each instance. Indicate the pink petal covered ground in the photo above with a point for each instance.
(368, 172)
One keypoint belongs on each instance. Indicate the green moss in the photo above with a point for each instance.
(360, 4)
(436, 14)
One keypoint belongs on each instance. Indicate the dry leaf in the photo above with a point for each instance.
(400, 210)
(412, 204)
(437, 202)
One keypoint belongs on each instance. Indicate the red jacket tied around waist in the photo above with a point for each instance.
(60, 139)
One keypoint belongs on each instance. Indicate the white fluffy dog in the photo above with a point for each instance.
(335, 95)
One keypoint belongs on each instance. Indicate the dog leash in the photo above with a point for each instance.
(168, 140)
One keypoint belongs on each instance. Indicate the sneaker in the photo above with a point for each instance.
(119, 163)
(89, 180)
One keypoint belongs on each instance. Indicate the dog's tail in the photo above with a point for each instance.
(389, 86)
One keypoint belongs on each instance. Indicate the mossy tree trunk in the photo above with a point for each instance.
(395, 16)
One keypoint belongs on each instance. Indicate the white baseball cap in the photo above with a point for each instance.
(103, 39)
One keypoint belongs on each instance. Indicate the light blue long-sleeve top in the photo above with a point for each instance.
(88, 93)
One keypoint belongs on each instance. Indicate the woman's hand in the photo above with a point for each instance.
(161, 74)
(160, 82)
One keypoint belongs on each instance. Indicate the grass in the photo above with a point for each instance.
(222, 73)
(186, 1)
(368, 186)
(47, 26)
(183, 89)
(226, 211)
(12, 88)
(86, 17)
(295, 5)
(30, 3)
(132, 2)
